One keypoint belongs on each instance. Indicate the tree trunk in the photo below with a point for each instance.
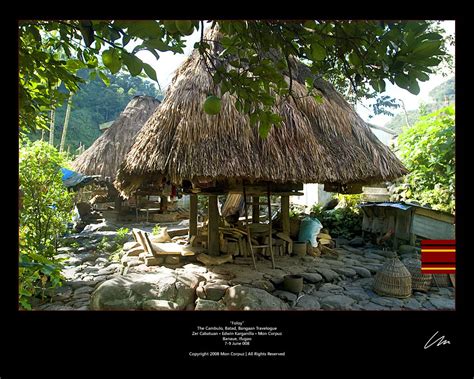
(66, 122)
(51, 127)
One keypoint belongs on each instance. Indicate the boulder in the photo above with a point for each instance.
(131, 291)
(308, 302)
(361, 271)
(327, 273)
(211, 261)
(208, 305)
(311, 277)
(159, 305)
(263, 284)
(337, 302)
(345, 271)
(356, 242)
(247, 298)
(285, 295)
(215, 291)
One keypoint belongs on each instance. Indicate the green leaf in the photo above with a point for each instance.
(264, 129)
(87, 32)
(145, 29)
(112, 60)
(378, 85)
(402, 80)
(104, 78)
(413, 87)
(427, 49)
(318, 52)
(133, 63)
(354, 59)
(156, 43)
(150, 71)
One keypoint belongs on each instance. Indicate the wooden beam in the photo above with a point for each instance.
(213, 226)
(285, 214)
(255, 209)
(193, 202)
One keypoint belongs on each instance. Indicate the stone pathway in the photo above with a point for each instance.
(95, 282)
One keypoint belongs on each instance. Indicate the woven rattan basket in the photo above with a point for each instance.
(441, 280)
(393, 279)
(419, 281)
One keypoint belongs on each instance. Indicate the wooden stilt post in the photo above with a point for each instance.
(270, 233)
(285, 214)
(255, 210)
(213, 226)
(193, 201)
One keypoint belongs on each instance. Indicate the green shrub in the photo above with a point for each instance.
(156, 230)
(46, 208)
(343, 221)
(121, 236)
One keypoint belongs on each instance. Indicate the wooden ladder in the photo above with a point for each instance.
(249, 236)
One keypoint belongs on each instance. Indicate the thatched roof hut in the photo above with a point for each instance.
(107, 152)
(318, 142)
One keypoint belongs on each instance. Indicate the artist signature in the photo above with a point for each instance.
(440, 341)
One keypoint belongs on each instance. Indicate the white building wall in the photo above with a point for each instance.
(313, 193)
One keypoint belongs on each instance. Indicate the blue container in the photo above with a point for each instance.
(309, 229)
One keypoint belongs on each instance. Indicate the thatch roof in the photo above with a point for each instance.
(107, 152)
(318, 142)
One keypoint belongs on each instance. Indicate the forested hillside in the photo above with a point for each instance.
(94, 104)
(442, 95)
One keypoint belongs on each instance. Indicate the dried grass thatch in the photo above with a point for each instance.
(318, 142)
(108, 151)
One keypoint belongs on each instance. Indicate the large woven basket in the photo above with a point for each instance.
(393, 279)
(441, 280)
(419, 281)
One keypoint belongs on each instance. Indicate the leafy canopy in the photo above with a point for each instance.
(427, 149)
(45, 210)
(356, 56)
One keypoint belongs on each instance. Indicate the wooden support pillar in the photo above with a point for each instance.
(193, 202)
(285, 214)
(213, 226)
(255, 209)
(163, 203)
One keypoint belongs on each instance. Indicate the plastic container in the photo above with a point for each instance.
(309, 229)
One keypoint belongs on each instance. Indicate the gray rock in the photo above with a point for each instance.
(308, 302)
(208, 305)
(321, 294)
(387, 301)
(247, 298)
(357, 295)
(81, 295)
(200, 291)
(276, 280)
(412, 304)
(65, 249)
(328, 274)
(85, 289)
(61, 293)
(365, 282)
(340, 241)
(373, 267)
(356, 242)
(215, 291)
(159, 305)
(311, 277)
(184, 295)
(362, 271)
(375, 257)
(442, 303)
(132, 290)
(56, 307)
(333, 263)
(264, 284)
(373, 307)
(345, 271)
(337, 302)
(285, 295)
(428, 305)
(329, 287)
(308, 288)
(190, 279)
(110, 269)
